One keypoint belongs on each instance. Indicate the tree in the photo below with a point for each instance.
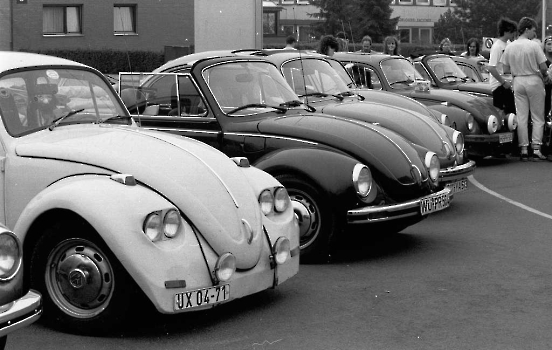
(476, 18)
(356, 18)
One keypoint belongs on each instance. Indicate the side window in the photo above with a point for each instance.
(469, 72)
(364, 77)
(13, 105)
(420, 68)
(191, 103)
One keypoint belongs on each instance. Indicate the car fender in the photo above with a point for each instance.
(117, 211)
(331, 171)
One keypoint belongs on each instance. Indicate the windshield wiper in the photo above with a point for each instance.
(408, 82)
(115, 117)
(56, 121)
(297, 103)
(258, 105)
(322, 94)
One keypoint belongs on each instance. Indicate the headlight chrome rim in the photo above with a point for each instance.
(281, 200)
(432, 164)
(171, 223)
(458, 139)
(153, 226)
(512, 121)
(470, 122)
(282, 250)
(11, 255)
(266, 202)
(492, 124)
(362, 180)
(225, 267)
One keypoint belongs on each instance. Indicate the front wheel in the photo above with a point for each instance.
(84, 287)
(317, 221)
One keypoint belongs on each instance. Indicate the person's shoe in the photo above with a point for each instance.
(524, 157)
(549, 158)
(538, 156)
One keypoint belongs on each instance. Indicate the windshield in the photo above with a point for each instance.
(446, 70)
(238, 84)
(32, 100)
(318, 77)
(343, 74)
(400, 73)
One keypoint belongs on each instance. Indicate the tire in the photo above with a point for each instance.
(317, 222)
(85, 289)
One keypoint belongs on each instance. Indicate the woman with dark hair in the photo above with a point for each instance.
(328, 45)
(391, 45)
(472, 49)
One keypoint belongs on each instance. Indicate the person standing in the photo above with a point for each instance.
(391, 45)
(472, 49)
(503, 96)
(446, 47)
(366, 44)
(525, 59)
(548, 87)
(291, 42)
(328, 45)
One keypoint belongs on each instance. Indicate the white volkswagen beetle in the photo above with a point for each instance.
(110, 213)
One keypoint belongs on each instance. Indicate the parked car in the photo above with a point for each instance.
(475, 68)
(337, 171)
(115, 218)
(319, 84)
(19, 306)
(486, 129)
(449, 72)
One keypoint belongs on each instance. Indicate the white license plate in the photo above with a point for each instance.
(458, 186)
(200, 297)
(506, 137)
(433, 203)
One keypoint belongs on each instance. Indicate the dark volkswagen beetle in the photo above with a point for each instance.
(487, 130)
(337, 171)
(320, 84)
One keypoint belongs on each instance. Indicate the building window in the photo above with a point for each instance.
(439, 2)
(405, 2)
(455, 2)
(306, 34)
(302, 2)
(422, 2)
(287, 30)
(404, 35)
(269, 23)
(61, 20)
(288, 2)
(124, 19)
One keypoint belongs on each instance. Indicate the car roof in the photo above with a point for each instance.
(13, 59)
(373, 58)
(189, 60)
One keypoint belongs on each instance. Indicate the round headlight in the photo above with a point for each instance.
(10, 255)
(433, 166)
(362, 180)
(282, 250)
(470, 123)
(281, 200)
(225, 267)
(266, 201)
(512, 121)
(152, 226)
(458, 139)
(492, 124)
(171, 223)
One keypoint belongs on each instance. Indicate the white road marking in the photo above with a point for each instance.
(498, 195)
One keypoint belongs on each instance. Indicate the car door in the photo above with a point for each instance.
(172, 102)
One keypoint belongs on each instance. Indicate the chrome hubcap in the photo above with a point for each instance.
(307, 217)
(79, 278)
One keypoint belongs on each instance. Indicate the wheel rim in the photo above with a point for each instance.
(308, 216)
(79, 278)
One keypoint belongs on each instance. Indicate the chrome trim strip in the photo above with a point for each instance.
(457, 172)
(412, 206)
(180, 130)
(271, 137)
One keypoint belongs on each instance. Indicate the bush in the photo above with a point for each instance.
(112, 61)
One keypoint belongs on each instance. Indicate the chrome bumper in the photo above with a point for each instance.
(20, 313)
(380, 213)
(456, 173)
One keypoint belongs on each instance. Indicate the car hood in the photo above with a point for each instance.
(383, 150)
(479, 107)
(415, 127)
(202, 182)
(392, 99)
(483, 88)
